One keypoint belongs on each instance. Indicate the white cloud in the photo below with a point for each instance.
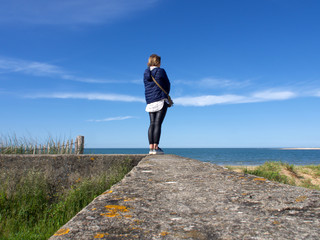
(111, 119)
(89, 96)
(208, 100)
(210, 82)
(28, 67)
(88, 80)
(234, 99)
(317, 94)
(40, 69)
(221, 83)
(69, 11)
(198, 101)
(273, 95)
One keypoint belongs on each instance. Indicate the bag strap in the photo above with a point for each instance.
(159, 85)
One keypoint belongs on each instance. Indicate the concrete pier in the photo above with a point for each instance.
(171, 197)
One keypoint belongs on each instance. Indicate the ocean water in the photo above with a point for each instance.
(228, 156)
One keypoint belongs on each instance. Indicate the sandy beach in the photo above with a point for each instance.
(300, 148)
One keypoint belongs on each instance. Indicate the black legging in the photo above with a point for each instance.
(156, 119)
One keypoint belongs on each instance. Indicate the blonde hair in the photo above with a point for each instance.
(154, 60)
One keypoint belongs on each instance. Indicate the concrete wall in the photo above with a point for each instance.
(64, 170)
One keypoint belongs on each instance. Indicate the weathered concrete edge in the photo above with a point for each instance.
(62, 229)
(301, 203)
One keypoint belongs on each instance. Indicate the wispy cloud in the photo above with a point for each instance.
(28, 67)
(69, 11)
(317, 93)
(270, 95)
(111, 119)
(210, 82)
(208, 100)
(90, 80)
(88, 96)
(40, 69)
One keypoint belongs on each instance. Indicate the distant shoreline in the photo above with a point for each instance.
(300, 148)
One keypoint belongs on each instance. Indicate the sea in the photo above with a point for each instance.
(229, 156)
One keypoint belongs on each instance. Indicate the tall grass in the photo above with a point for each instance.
(30, 210)
(15, 145)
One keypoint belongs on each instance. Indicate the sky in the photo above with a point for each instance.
(243, 73)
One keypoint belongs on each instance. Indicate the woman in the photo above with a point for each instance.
(156, 100)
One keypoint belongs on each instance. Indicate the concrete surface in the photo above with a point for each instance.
(170, 197)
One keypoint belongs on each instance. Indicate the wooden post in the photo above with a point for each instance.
(79, 145)
(62, 148)
(67, 147)
(76, 146)
(71, 146)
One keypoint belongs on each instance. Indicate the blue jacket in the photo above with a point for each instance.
(152, 92)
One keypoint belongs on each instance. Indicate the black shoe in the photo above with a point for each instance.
(158, 151)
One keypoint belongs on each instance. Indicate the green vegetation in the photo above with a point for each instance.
(272, 171)
(303, 176)
(313, 169)
(30, 209)
(14, 145)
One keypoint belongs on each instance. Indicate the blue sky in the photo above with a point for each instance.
(244, 73)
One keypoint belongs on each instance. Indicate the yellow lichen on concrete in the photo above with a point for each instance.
(164, 233)
(109, 214)
(259, 179)
(62, 231)
(301, 198)
(114, 210)
(129, 199)
(101, 235)
(110, 191)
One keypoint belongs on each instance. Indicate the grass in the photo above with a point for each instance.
(14, 145)
(303, 176)
(272, 171)
(314, 170)
(30, 210)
